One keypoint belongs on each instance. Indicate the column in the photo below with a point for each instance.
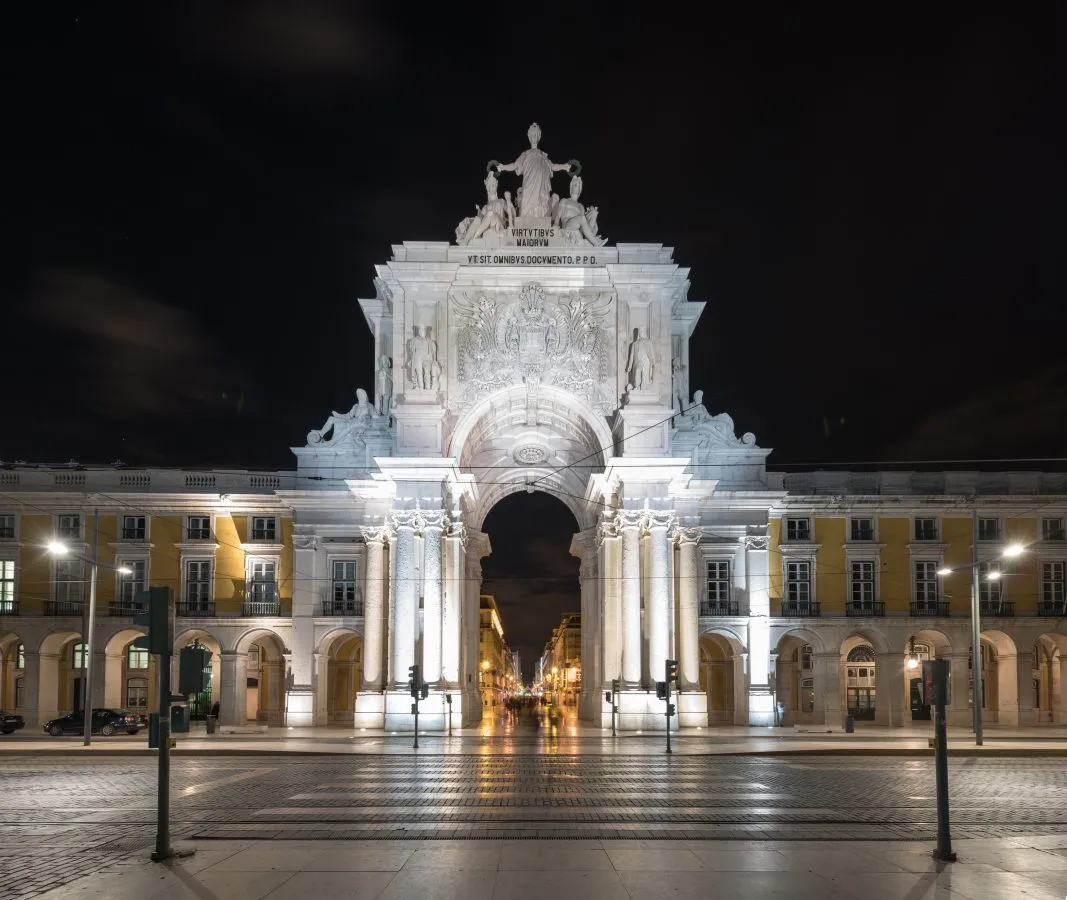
(629, 526)
(233, 703)
(760, 694)
(959, 691)
(108, 689)
(828, 688)
(307, 561)
(405, 612)
(431, 596)
(1059, 712)
(660, 593)
(1025, 679)
(31, 709)
(608, 554)
(590, 702)
(889, 708)
(374, 608)
(452, 602)
(1009, 688)
(688, 608)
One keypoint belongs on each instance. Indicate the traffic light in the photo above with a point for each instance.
(192, 661)
(670, 710)
(661, 690)
(672, 670)
(424, 690)
(157, 617)
(615, 685)
(607, 696)
(414, 680)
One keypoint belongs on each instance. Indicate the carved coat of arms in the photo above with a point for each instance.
(533, 339)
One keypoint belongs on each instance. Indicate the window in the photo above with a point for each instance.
(264, 528)
(1052, 530)
(989, 529)
(198, 528)
(798, 584)
(7, 527)
(69, 526)
(861, 653)
(137, 693)
(78, 656)
(69, 580)
(130, 585)
(1053, 583)
(136, 657)
(261, 584)
(926, 529)
(7, 586)
(863, 529)
(20, 656)
(926, 583)
(198, 583)
(718, 582)
(133, 528)
(989, 589)
(862, 573)
(20, 693)
(798, 529)
(344, 585)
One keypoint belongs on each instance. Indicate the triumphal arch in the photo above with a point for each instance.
(529, 354)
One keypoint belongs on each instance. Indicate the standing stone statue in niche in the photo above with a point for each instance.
(497, 214)
(575, 219)
(383, 401)
(348, 427)
(536, 170)
(424, 371)
(680, 384)
(641, 360)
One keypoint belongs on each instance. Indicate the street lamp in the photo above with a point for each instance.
(1012, 551)
(58, 548)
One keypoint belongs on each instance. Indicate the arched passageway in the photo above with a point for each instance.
(338, 677)
(722, 679)
(259, 665)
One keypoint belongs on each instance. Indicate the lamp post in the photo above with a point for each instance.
(1009, 552)
(58, 548)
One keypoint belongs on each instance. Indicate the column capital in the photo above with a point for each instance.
(756, 541)
(685, 535)
(305, 542)
(606, 528)
(658, 519)
(629, 518)
(434, 518)
(406, 518)
(376, 534)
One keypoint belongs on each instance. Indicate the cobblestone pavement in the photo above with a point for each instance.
(61, 819)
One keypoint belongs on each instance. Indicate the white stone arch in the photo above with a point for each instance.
(722, 676)
(9, 673)
(868, 635)
(1050, 665)
(115, 671)
(263, 677)
(338, 676)
(798, 698)
(1000, 675)
(564, 439)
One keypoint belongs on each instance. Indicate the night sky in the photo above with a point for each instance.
(871, 203)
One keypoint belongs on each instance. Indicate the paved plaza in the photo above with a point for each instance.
(452, 825)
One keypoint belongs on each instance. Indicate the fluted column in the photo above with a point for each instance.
(607, 545)
(452, 602)
(405, 612)
(433, 525)
(659, 593)
(688, 607)
(630, 528)
(374, 608)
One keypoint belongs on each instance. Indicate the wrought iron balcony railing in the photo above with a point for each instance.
(261, 608)
(720, 608)
(342, 607)
(125, 609)
(997, 609)
(937, 609)
(800, 610)
(859, 608)
(196, 609)
(64, 608)
(9, 608)
(1051, 608)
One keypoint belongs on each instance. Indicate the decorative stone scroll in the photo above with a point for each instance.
(756, 542)
(533, 339)
(305, 542)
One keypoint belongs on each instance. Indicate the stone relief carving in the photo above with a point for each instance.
(424, 371)
(756, 542)
(535, 169)
(533, 339)
(641, 360)
(714, 431)
(305, 542)
(679, 383)
(497, 214)
(578, 224)
(346, 429)
(383, 398)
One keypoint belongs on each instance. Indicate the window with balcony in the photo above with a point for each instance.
(1053, 587)
(69, 584)
(77, 656)
(798, 529)
(798, 586)
(861, 596)
(926, 586)
(137, 693)
(862, 530)
(198, 528)
(7, 528)
(7, 587)
(264, 528)
(926, 529)
(69, 527)
(136, 657)
(134, 528)
(1052, 530)
(197, 600)
(990, 590)
(131, 583)
(718, 602)
(344, 593)
(989, 529)
(262, 598)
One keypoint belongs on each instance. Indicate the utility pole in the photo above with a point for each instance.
(663, 692)
(420, 690)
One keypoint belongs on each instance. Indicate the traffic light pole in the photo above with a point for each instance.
(668, 698)
(614, 703)
(163, 849)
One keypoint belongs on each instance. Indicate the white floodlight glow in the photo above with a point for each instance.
(993, 576)
(57, 548)
(945, 571)
(124, 570)
(1013, 550)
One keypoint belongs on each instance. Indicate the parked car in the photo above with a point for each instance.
(11, 722)
(104, 721)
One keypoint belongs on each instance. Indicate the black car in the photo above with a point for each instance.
(11, 722)
(105, 721)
